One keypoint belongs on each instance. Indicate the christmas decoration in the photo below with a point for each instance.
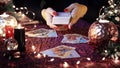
(102, 30)
(110, 48)
(6, 6)
(112, 12)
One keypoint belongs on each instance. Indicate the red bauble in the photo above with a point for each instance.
(102, 30)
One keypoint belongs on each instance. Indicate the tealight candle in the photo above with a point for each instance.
(19, 35)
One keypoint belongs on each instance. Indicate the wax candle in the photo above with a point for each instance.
(19, 35)
(9, 31)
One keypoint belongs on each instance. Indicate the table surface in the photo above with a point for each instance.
(88, 58)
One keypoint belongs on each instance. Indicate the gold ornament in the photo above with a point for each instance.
(102, 30)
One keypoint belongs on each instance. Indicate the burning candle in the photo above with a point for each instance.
(19, 35)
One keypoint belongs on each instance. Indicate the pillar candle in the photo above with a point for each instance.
(19, 35)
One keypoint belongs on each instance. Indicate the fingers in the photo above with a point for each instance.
(70, 8)
(77, 12)
(48, 17)
(51, 11)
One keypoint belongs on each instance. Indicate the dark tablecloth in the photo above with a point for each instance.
(29, 61)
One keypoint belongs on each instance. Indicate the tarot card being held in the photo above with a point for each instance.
(74, 38)
(42, 32)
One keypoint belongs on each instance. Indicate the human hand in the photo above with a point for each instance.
(48, 16)
(77, 11)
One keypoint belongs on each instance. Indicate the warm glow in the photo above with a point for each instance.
(19, 26)
(88, 59)
(65, 65)
(44, 55)
(105, 51)
(116, 61)
(78, 62)
(4, 15)
(52, 59)
(103, 58)
(33, 48)
(38, 55)
(12, 23)
(103, 21)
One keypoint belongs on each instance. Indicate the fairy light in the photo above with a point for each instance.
(106, 51)
(16, 8)
(21, 8)
(103, 58)
(44, 55)
(13, 6)
(116, 60)
(35, 26)
(88, 59)
(78, 62)
(52, 59)
(33, 48)
(65, 65)
(38, 56)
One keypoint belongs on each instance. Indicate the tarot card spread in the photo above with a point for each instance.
(74, 38)
(62, 51)
(42, 32)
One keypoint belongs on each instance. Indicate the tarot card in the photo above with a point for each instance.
(74, 38)
(62, 51)
(71, 38)
(62, 18)
(42, 32)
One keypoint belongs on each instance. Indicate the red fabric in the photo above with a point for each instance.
(29, 60)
